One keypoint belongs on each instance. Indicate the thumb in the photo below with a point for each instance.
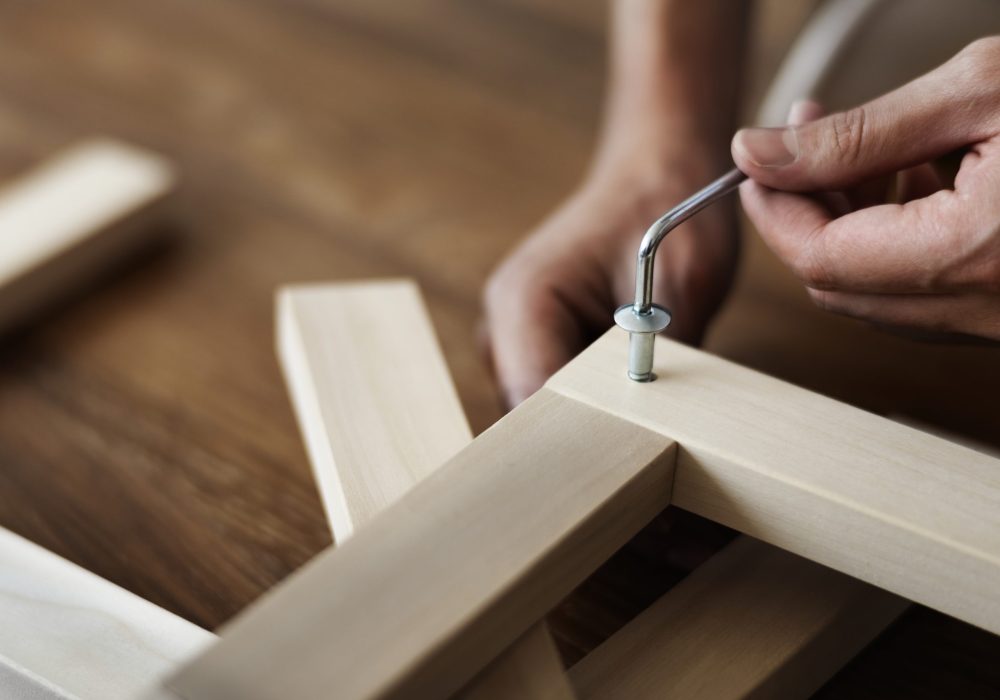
(945, 109)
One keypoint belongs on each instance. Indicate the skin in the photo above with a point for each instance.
(850, 201)
(926, 259)
(668, 120)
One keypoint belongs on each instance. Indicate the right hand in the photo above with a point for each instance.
(924, 256)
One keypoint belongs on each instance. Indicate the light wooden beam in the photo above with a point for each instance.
(538, 500)
(752, 622)
(890, 505)
(71, 216)
(371, 392)
(66, 633)
(450, 575)
(378, 415)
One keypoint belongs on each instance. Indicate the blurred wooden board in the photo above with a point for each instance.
(72, 216)
(66, 633)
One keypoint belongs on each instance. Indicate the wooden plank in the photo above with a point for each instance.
(450, 575)
(898, 508)
(755, 622)
(526, 670)
(61, 223)
(65, 632)
(371, 392)
(752, 622)
(378, 415)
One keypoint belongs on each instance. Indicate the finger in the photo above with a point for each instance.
(975, 314)
(803, 111)
(532, 334)
(936, 113)
(807, 110)
(888, 248)
(921, 179)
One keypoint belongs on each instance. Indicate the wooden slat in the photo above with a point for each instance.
(901, 509)
(449, 576)
(65, 632)
(378, 415)
(72, 215)
(752, 622)
(523, 671)
(371, 391)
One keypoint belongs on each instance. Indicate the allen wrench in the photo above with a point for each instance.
(643, 319)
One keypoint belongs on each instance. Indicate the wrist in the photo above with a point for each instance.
(671, 158)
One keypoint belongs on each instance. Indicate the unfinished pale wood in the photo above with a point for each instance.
(378, 415)
(524, 671)
(65, 632)
(752, 622)
(901, 509)
(73, 214)
(371, 391)
(454, 572)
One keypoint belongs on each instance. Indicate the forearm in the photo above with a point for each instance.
(675, 74)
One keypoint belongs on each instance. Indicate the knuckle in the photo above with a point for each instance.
(976, 65)
(982, 51)
(847, 138)
(810, 266)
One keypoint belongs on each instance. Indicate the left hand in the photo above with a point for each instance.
(927, 259)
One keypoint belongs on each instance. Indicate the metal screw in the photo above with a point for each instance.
(643, 319)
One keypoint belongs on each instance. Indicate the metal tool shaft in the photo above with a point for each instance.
(647, 319)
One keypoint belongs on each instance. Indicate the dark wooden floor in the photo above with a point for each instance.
(144, 428)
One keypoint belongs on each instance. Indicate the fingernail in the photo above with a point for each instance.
(768, 148)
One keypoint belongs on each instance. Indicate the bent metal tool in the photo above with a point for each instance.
(643, 319)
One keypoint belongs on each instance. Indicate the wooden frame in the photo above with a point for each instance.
(553, 519)
(779, 462)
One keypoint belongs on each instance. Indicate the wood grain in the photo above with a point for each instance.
(379, 415)
(65, 632)
(901, 509)
(308, 136)
(373, 397)
(71, 217)
(753, 622)
(448, 577)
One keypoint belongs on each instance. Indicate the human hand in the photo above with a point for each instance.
(927, 258)
(558, 290)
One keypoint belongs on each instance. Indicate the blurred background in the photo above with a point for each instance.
(145, 431)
